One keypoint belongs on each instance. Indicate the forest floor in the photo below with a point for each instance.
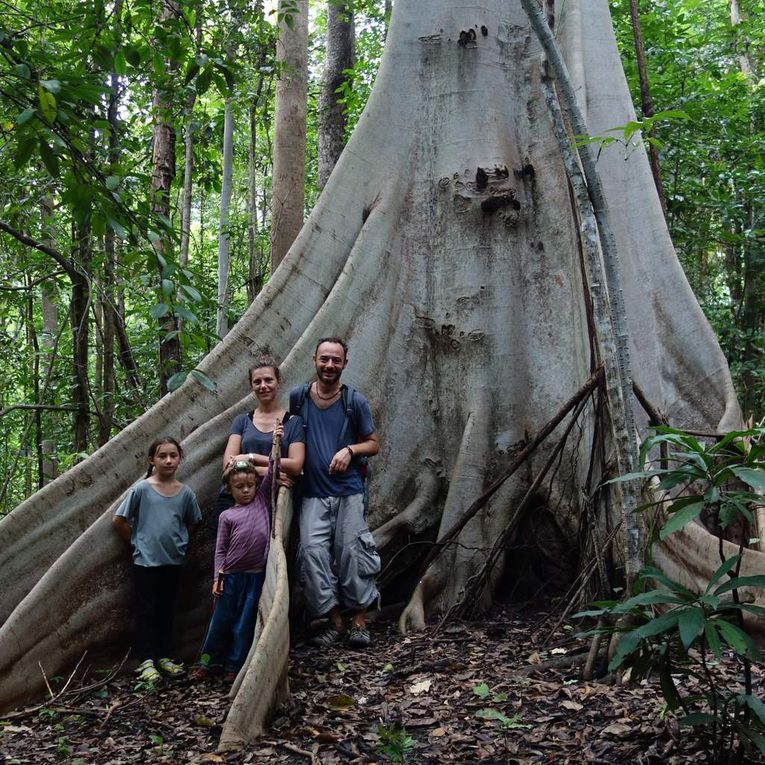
(472, 692)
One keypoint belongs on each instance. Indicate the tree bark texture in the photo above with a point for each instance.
(288, 178)
(339, 58)
(445, 249)
(646, 102)
(224, 250)
(162, 177)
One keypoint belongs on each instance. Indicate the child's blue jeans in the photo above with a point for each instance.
(232, 626)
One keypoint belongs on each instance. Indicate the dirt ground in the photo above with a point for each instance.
(478, 692)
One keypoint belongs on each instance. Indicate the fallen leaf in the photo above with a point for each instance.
(340, 702)
(618, 730)
(437, 733)
(203, 721)
(534, 658)
(573, 705)
(422, 687)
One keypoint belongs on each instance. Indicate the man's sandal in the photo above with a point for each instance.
(359, 637)
(326, 638)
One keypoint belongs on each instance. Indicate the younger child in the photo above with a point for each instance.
(241, 553)
(155, 518)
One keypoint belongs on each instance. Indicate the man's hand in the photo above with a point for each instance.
(341, 461)
(286, 480)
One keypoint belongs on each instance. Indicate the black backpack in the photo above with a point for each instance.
(299, 405)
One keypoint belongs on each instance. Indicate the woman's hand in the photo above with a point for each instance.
(217, 588)
(279, 430)
(286, 480)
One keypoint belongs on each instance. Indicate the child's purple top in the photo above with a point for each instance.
(244, 532)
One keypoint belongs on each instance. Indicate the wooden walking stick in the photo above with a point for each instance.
(276, 447)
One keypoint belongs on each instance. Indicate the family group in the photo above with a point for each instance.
(324, 438)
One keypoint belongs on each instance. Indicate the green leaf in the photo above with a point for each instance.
(736, 638)
(49, 159)
(53, 86)
(168, 287)
(192, 293)
(176, 380)
(689, 513)
(24, 151)
(628, 643)
(159, 310)
(120, 63)
(713, 639)
(112, 182)
(727, 566)
(23, 71)
(750, 476)
(754, 704)
(668, 688)
(25, 116)
(660, 624)
(757, 581)
(132, 55)
(690, 624)
(47, 103)
(204, 380)
(116, 227)
(650, 597)
(482, 690)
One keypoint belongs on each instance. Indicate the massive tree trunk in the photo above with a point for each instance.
(446, 249)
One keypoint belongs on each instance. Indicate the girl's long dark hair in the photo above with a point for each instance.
(155, 445)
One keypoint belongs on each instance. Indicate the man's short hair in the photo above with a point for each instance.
(336, 340)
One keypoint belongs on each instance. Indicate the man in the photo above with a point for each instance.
(338, 559)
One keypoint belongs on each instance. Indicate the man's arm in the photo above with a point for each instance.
(366, 448)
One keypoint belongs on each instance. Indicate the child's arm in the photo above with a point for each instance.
(122, 527)
(126, 514)
(221, 548)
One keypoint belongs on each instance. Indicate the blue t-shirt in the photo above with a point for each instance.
(160, 524)
(258, 442)
(322, 443)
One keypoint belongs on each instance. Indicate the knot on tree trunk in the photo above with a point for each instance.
(488, 189)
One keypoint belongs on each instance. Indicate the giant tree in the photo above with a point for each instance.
(449, 250)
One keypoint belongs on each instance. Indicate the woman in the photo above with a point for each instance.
(252, 432)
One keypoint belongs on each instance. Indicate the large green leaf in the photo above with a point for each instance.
(750, 476)
(677, 520)
(690, 624)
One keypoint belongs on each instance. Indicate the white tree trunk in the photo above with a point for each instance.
(288, 178)
(460, 293)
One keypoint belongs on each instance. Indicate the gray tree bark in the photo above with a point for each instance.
(224, 251)
(288, 178)
(340, 56)
(445, 249)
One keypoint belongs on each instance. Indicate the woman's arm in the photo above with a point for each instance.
(292, 464)
(232, 453)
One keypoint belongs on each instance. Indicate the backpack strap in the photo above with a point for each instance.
(299, 402)
(347, 395)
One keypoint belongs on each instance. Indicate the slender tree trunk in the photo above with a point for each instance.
(162, 177)
(49, 309)
(254, 254)
(340, 56)
(646, 103)
(288, 183)
(188, 155)
(224, 234)
(81, 333)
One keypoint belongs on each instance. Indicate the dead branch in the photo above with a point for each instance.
(440, 545)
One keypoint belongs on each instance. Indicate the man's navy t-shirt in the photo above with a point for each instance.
(323, 431)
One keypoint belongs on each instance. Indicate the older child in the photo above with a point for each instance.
(241, 553)
(155, 518)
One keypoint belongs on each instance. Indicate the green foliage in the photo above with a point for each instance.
(394, 743)
(668, 630)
